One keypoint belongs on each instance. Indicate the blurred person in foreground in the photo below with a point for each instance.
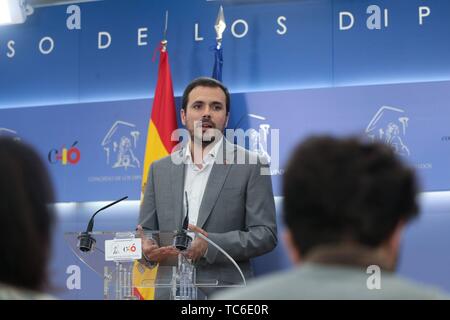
(26, 222)
(346, 204)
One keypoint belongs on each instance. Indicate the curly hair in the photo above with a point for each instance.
(346, 189)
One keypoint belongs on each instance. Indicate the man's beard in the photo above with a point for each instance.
(205, 138)
(205, 141)
(208, 141)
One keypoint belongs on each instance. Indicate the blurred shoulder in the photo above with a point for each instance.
(8, 292)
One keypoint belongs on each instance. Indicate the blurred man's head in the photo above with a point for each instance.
(346, 191)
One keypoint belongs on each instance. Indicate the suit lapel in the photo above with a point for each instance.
(177, 185)
(214, 185)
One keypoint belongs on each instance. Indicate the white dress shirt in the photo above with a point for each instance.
(196, 179)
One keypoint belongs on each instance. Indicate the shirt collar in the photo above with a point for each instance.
(208, 158)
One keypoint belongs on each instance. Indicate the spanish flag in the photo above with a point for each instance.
(162, 123)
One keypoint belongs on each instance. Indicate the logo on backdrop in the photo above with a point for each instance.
(65, 155)
(5, 132)
(120, 148)
(120, 144)
(258, 138)
(263, 140)
(389, 125)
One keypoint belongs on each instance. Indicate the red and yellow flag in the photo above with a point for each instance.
(162, 123)
(163, 120)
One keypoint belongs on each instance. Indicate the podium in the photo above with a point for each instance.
(116, 258)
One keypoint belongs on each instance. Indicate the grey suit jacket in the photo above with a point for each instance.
(237, 209)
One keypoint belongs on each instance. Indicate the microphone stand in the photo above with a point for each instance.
(86, 241)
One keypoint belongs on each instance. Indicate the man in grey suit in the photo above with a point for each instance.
(230, 198)
(346, 203)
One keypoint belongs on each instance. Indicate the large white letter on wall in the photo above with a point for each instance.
(233, 27)
(423, 12)
(142, 36)
(196, 36)
(341, 20)
(281, 24)
(101, 36)
(11, 52)
(50, 48)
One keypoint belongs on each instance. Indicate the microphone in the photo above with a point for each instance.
(182, 239)
(86, 241)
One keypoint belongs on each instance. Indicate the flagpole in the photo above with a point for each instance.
(164, 40)
(220, 27)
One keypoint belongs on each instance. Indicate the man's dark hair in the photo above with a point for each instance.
(26, 219)
(205, 82)
(339, 190)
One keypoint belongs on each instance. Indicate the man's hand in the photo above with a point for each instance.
(198, 246)
(152, 251)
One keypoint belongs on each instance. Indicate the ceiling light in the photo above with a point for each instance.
(14, 11)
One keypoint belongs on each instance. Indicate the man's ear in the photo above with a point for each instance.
(183, 116)
(292, 250)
